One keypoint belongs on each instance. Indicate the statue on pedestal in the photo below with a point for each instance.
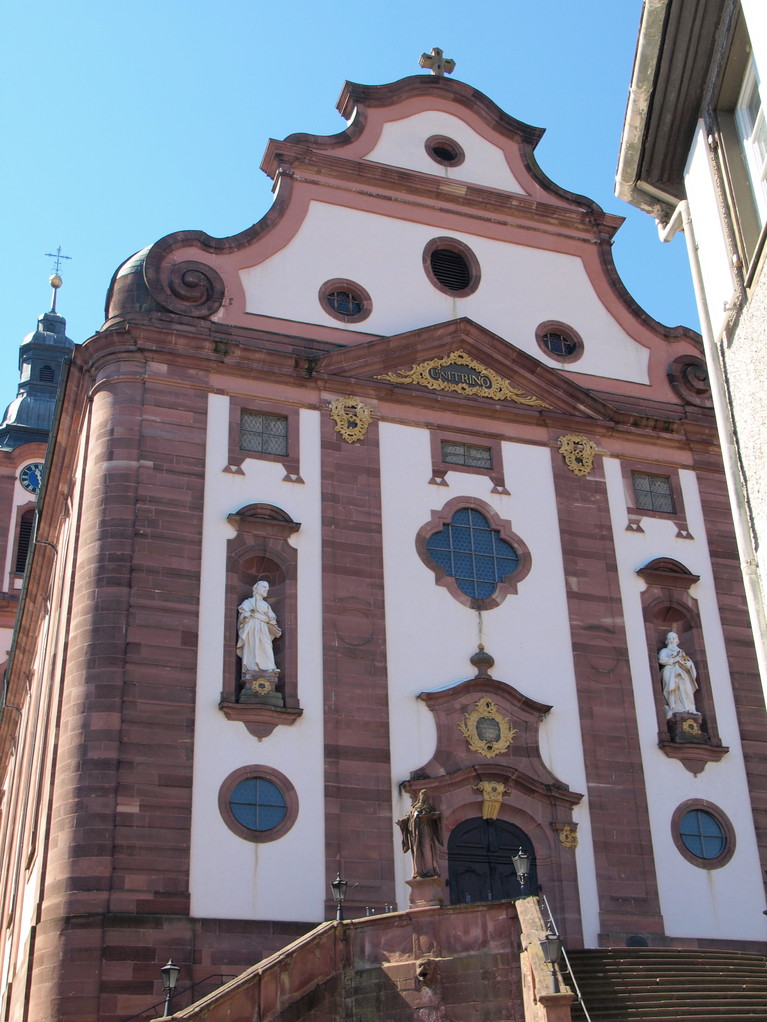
(421, 833)
(257, 629)
(678, 675)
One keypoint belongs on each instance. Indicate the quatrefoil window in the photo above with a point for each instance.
(473, 553)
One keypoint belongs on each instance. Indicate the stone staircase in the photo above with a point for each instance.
(669, 985)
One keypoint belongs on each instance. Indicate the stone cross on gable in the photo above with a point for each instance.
(436, 60)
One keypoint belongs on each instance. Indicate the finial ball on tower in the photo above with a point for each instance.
(55, 281)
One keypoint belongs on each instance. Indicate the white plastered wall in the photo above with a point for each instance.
(401, 144)
(709, 235)
(232, 878)
(694, 902)
(516, 292)
(430, 636)
(755, 12)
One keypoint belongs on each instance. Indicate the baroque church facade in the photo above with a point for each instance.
(481, 490)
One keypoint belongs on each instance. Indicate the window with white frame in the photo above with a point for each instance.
(752, 132)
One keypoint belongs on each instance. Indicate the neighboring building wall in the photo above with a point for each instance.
(689, 144)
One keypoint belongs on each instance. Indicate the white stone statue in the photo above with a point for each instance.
(678, 675)
(257, 629)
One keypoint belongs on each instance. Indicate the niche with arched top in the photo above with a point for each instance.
(669, 606)
(261, 551)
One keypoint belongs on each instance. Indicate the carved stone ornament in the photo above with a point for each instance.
(486, 730)
(462, 374)
(261, 686)
(578, 452)
(568, 837)
(351, 417)
(492, 796)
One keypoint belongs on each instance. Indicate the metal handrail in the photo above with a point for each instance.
(145, 1012)
(573, 980)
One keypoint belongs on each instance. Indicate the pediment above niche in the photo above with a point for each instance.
(460, 358)
(488, 729)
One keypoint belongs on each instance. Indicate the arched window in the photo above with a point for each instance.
(46, 374)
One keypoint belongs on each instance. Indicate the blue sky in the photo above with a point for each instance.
(124, 122)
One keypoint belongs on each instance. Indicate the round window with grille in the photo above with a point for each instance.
(345, 300)
(559, 341)
(445, 151)
(258, 803)
(703, 834)
(452, 267)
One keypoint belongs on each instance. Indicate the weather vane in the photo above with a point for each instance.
(437, 62)
(58, 257)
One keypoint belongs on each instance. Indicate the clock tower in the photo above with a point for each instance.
(44, 356)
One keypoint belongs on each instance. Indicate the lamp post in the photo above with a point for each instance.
(522, 868)
(169, 975)
(551, 945)
(338, 887)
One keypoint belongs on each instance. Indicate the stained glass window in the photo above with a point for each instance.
(473, 553)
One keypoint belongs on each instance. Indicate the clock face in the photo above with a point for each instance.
(31, 476)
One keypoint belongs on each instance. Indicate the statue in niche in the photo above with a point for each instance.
(421, 833)
(257, 629)
(678, 675)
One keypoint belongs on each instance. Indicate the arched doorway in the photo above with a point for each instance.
(480, 866)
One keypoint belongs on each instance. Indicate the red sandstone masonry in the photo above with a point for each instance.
(625, 867)
(134, 673)
(359, 827)
(78, 874)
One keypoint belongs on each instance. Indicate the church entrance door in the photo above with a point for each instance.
(480, 861)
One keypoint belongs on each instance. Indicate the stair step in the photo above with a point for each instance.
(669, 985)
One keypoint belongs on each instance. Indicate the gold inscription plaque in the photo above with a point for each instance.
(462, 374)
(486, 730)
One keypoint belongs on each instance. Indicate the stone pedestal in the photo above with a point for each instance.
(685, 728)
(259, 687)
(426, 891)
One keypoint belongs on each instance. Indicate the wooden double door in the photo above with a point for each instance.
(480, 861)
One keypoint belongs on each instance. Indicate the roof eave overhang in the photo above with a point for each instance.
(649, 45)
(668, 82)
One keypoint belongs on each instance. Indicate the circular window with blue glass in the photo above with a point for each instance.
(703, 834)
(258, 803)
